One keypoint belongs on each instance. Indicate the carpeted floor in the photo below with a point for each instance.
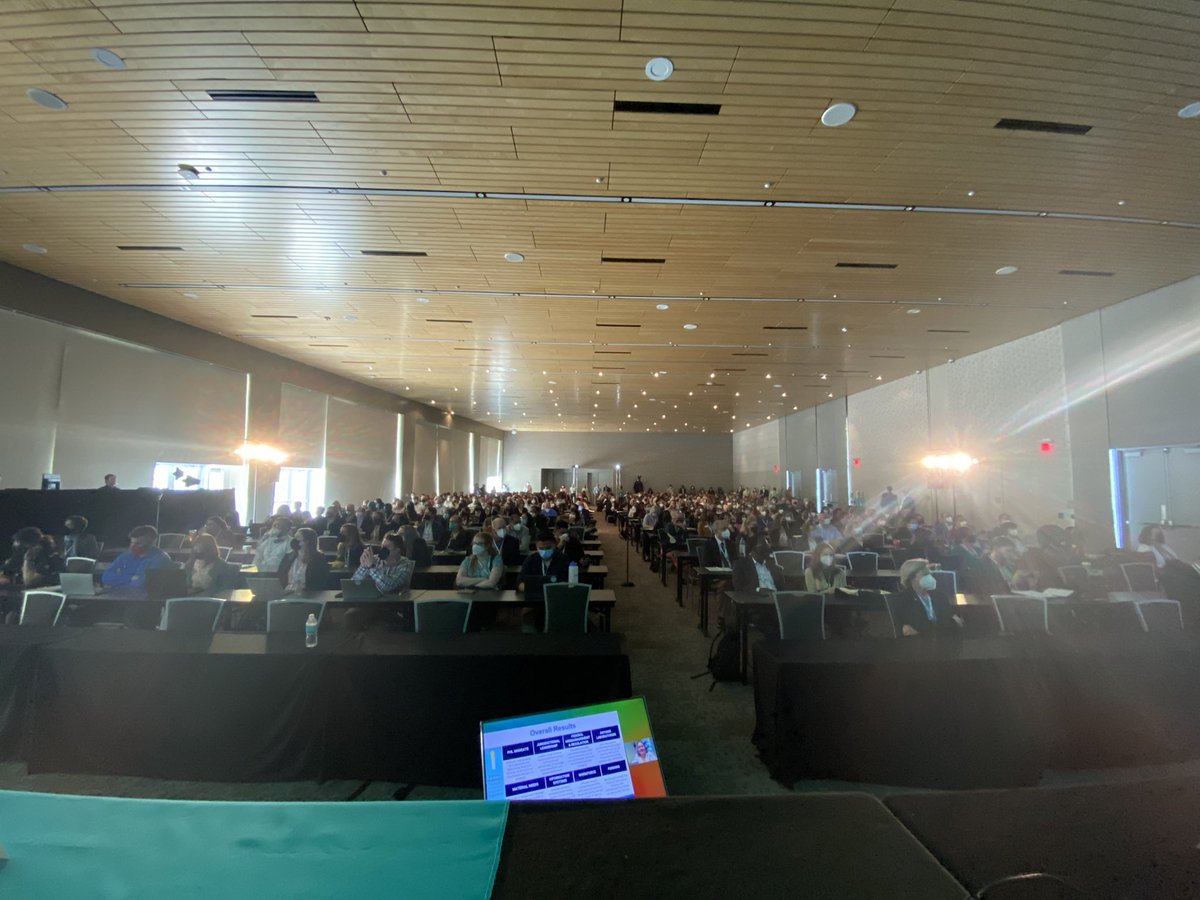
(703, 736)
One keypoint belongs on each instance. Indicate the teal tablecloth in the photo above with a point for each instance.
(72, 847)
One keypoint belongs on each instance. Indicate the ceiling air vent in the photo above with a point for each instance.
(265, 316)
(637, 260)
(865, 265)
(785, 328)
(612, 353)
(393, 252)
(146, 247)
(665, 108)
(1045, 127)
(250, 96)
(615, 325)
(1086, 273)
(747, 354)
(947, 331)
(451, 321)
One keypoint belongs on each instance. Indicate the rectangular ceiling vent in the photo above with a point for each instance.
(711, 384)
(747, 354)
(473, 349)
(851, 371)
(1045, 127)
(266, 316)
(393, 252)
(947, 331)
(657, 107)
(785, 328)
(865, 265)
(145, 247)
(883, 356)
(612, 353)
(343, 346)
(606, 382)
(251, 96)
(451, 321)
(1086, 273)
(635, 260)
(615, 325)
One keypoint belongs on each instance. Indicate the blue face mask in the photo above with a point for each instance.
(546, 554)
(478, 549)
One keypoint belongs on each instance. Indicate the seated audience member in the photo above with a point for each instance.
(1050, 555)
(821, 574)
(825, 532)
(298, 512)
(415, 547)
(77, 540)
(205, 571)
(569, 545)
(319, 522)
(350, 547)
(34, 562)
(483, 567)
(719, 550)
(274, 544)
(305, 567)
(458, 539)
(373, 530)
(389, 568)
(130, 568)
(432, 528)
(220, 530)
(1178, 580)
(546, 566)
(758, 572)
(510, 546)
(919, 611)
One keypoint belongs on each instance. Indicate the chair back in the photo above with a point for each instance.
(1139, 577)
(576, 531)
(166, 582)
(947, 584)
(567, 608)
(873, 540)
(1159, 615)
(887, 603)
(791, 561)
(197, 615)
(801, 615)
(80, 565)
(292, 615)
(805, 557)
(224, 552)
(327, 543)
(864, 561)
(442, 616)
(695, 547)
(1076, 578)
(1018, 614)
(41, 608)
(169, 540)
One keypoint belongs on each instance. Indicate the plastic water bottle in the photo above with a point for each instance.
(573, 573)
(310, 631)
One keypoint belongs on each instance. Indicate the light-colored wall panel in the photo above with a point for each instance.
(756, 454)
(888, 431)
(302, 415)
(360, 453)
(423, 473)
(30, 362)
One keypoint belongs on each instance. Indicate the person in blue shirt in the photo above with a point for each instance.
(130, 568)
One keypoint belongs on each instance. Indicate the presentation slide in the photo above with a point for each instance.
(601, 752)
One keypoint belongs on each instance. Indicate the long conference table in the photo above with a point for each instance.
(245, 706)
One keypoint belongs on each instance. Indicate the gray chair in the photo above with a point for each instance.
(1076, 578)
(791, 561)
(80, 565)
(224, 553)
(567, 608)
(695, 547)
(441, 616)
(887, 604)
(1140, 578)
(863, 561)
(41, 608)
(169, 540)
(292, 615)
(801, 615)
(1021, 615)
(1159, 614)
(198, 615)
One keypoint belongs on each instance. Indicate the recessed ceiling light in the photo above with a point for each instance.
(107, 58)
(599, 179)
(551, 382)
(970, 193)
(831, 396)
(662, 306)
(188, 173)
(879, 378)
(34, 248)
(46, 99)
(913, 311)
(514, 257)
(1120, 203)
(690, 326)
(350, 318)
(659, 68)
(1006, 270)
(767, 185)
(838, 114)
(422, 299)
(844, 329)
(1191, 111)
(191, 295)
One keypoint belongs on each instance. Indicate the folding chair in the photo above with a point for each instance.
(80, 565)
(197, 615)
(41, 608)
(171, 541)
(865, 561)
(292, 615)
(1140, 578)
(1018, 614)
(801, 615)
(567, 608)
(442, 616)
(1159, 615)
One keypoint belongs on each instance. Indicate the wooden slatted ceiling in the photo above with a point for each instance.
(500, 97)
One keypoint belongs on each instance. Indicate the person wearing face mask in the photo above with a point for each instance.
(824, 532)
(34, 562)
(919, 608)
(205, 572)
(518, 528)
(130, 568)
(350, 547)
(305, 567)
(432, 528)
(758, 572)
(458, 538)
(78, 541)
(483, 568)
(571, 547)
(388, 568)
(546, 566)
(719, 550)
(821, 574)
(510, 546)
(274, 544)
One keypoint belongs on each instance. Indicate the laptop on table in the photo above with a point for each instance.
(79, 584)
(353, 590)
(265, 587)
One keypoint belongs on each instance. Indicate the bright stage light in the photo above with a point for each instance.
(949, 462)
(260, 453)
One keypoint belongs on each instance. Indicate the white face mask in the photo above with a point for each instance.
(501, 532)
(928, 582)
(725, 534)
(827, 561)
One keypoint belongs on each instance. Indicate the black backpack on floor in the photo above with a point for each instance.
(723, 656)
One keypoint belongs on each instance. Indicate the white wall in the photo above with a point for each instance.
(360, 452)
(661, 459)
(756, 455)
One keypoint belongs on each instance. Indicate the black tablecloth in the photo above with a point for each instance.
(18, 665)
(814, 846)
(259, 707)
(1111, 840)
(985, 713)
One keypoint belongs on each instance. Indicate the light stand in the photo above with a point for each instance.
(628, 535)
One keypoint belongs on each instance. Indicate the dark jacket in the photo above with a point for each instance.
(534, 574)
(83, 544)
(745, 574)
(438, 529)
(510, 551)
(225, 576)
(420, 553)
(908, 610)
(460, 540)
(316, 576)
(44, 559)
(712, 552)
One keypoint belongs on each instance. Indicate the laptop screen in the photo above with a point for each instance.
(601, 752)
